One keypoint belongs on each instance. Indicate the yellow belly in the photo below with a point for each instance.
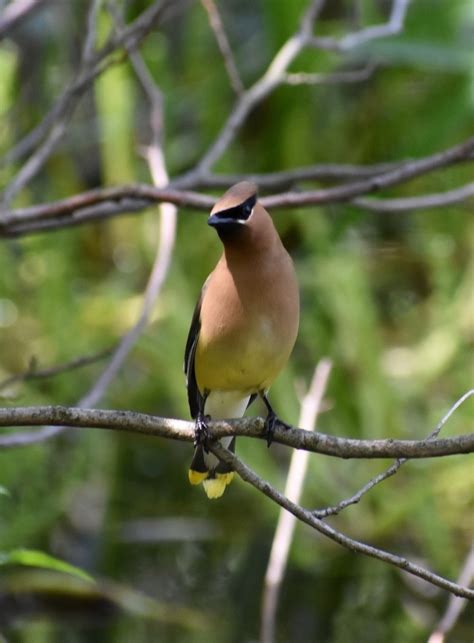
(247, 362)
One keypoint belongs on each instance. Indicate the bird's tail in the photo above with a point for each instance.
(205, 467)
(214, 474)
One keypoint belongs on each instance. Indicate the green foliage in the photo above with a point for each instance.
(387, 297)
(33, 558)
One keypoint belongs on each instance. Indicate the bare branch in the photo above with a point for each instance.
(168, 217)
(393, 27)
(275, 74)
(439, 200)
(36, 161)
(145, 194)
(249, 427)
(33, 373)
(270, 79)
(224, 46)
(322, 527)
(16, 12)
(399, 175)
(161, 265)
(100, 203)
(354, 499)
(91, 67)
(392, 470)
(287, 178)
(310, 16)
(352, 76)
(455, 604)
(286, 522)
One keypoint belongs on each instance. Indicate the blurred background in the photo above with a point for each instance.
(387, 297)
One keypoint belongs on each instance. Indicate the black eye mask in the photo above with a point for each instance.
(239, 212)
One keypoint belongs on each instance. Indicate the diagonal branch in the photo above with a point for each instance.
(392, 470)
(168, 220)
(223, 44)
(91, 67)
(58, 126)
(322, 527)
(162, 262)
(270, 79)
(455, 603)
(16, 12)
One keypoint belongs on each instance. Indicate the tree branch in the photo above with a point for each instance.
(101, 203)
(91, 67)
(250, 427)
(335, 78)
(16, 12)
(438, 200)
(392, 470)
(223, 44)
(269, 80)
(322, 527)
(350, 41)
(33, 373)
(58, 127)
(455, 603)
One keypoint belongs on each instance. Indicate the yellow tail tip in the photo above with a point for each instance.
(215, 487)
(196, 477)
(226, 477)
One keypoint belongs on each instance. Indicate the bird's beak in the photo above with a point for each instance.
(221, 222)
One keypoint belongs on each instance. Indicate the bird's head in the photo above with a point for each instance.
(233, 212)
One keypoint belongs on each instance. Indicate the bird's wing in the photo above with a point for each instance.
(194, 396)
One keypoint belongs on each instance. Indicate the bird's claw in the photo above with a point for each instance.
(271, 423)
(201, 431)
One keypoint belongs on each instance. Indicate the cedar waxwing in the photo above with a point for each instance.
(243, 328)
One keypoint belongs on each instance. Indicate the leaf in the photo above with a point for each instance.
(34, 558)
(4, 491)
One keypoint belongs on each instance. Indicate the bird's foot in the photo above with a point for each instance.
(271, 423)
(201, 431)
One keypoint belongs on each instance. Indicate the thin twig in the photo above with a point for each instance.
(270, 79)
(354, 499)
(35, 374)
(165, 246)
(455, 604)
(161, 265)
(223, 44)
(423, 202)
(392, 470)
(350, 41)
(15, 12)
(36, 161)
(92, 67)
(287, 178)
(336, 78)
(315, 442)
(287, 522)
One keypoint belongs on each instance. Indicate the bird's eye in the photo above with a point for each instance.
(247, 210)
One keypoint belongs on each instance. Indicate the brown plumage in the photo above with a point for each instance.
(244, 326)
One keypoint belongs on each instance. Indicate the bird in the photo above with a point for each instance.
(243, 328)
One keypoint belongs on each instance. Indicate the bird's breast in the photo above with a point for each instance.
(244, 342)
